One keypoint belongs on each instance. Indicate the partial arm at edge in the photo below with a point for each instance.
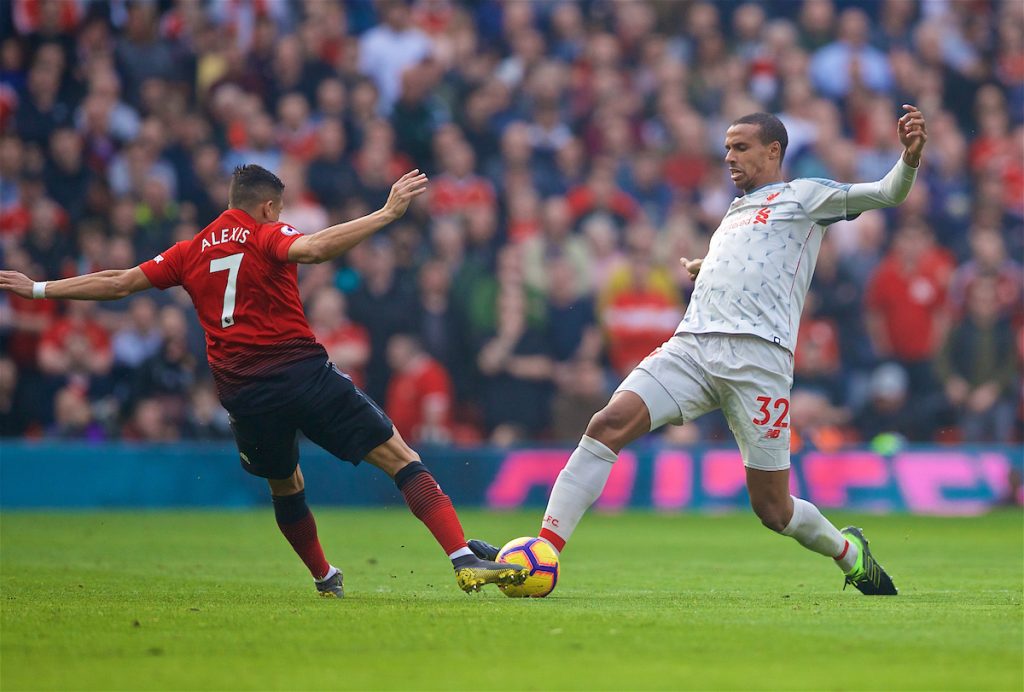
(887, 192)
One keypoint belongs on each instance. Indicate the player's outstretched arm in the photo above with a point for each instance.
(110, 284)
(335, 241)
(895, 186)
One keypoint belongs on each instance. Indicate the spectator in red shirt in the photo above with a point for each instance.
(600, 194)
(639, 307)
(347, 343)
(905, 301)
(524, 218)
(686, 167)
(32, 16)
(992, 138)
(1012, 174)
(75, 350)
(23, 320)
(419, 397)
(458, 187)
(76, 346)
(23, 193)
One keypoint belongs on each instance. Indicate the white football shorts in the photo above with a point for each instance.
(746, 376)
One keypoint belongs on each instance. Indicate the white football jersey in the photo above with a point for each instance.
(755, 276)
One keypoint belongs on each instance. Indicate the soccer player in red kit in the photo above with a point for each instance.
(271, 374)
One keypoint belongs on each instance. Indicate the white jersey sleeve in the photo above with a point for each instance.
(887, 192)
(827, 201)
(824, 201)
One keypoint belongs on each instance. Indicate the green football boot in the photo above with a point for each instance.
(867, 575)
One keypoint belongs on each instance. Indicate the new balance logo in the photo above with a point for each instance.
(762, 215)
(158, 259)
(772, 434)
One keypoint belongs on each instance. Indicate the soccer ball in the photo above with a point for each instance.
(540, 560)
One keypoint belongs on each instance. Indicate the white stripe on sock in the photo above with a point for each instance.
(460, 552)
(330, 573)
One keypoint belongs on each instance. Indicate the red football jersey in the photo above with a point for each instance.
(246, 294)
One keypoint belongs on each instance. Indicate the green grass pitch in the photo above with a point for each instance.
(216, 600)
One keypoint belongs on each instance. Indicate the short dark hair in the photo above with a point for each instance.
(772, 129)
(252, 185)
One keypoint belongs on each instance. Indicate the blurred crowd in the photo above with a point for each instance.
(575, 151)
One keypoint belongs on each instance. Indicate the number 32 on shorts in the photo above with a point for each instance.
(779, 404)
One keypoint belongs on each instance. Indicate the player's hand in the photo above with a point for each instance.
(692, 266)
(405, 190)
(17, 283)
(913, 134)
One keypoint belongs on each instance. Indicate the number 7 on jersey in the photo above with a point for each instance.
(231, 263)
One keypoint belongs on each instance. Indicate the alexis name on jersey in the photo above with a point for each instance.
(238, 234)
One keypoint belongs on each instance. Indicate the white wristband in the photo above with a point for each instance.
(38, 289)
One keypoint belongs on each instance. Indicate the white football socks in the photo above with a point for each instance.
(330, 573)
(460, 553)
(579, 484)
(814, 532)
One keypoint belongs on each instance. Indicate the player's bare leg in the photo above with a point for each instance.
(580, 483)
(296, 522)
(430, 505)
(801, 520)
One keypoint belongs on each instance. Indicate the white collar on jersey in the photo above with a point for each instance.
(764, 187)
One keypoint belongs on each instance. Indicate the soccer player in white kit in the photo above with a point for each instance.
(734, 348)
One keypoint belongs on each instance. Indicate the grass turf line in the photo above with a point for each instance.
(216, 600)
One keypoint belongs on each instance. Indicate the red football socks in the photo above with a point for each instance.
(431, 506)
(556, 541)
(298, 526)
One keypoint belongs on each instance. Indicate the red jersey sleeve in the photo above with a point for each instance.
(166, 269)
(275, 239)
